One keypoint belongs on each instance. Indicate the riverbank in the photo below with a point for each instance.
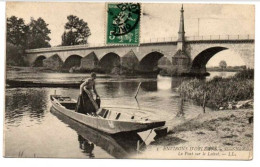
(116, 71)
(30, 69)
(219, 130)
(220, 93)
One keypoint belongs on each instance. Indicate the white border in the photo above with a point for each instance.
(125, 163)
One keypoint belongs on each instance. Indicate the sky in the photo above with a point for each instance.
(158, 20)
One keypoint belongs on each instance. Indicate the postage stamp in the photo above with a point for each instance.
(123, 23)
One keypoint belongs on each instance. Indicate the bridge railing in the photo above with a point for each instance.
(157, 40)
(220, 37)
(201, 38)
(154, 40)
(54, 48)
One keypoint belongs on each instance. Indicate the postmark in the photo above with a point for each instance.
(123, 23)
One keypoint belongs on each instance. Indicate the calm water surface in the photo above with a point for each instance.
(33, 129)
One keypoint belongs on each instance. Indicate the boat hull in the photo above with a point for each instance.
(119, 146)
(107, 125)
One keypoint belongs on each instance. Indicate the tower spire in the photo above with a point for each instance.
(181, 33)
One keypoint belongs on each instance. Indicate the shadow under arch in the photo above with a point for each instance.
(150, 62)
(39, 61)
(109, 62)
(72, 61)
(200, 61)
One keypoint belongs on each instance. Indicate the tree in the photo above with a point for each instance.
(69, 38)
(16, 31)
(222, 64)
(21, 36)
(76, 31)
(16, 39)
(14, 55)
(38, 34)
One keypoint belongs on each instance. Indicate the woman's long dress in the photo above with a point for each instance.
(86, 103)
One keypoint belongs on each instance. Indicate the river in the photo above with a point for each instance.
(32, 129)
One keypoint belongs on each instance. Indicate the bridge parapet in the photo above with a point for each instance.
(151, 41)
(220, 37)
(57, 48)
(201, 38)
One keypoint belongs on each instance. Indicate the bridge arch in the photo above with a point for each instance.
(38, 62)
(149, 63)
(72, 61)
(200, 61)
(109, 62)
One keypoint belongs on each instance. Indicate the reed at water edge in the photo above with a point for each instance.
(219, 92)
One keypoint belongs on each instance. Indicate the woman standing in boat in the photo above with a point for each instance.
(86, 103)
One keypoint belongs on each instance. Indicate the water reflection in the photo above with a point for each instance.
(87, 146)
(27, 116)
(119, 145)
(128, 88)
(117, 89)
(220, 74)
(149, 86)
(111, 89)
(176, 81)
(25, 102)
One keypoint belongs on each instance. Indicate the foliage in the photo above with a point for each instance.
(38, 35)
(33, 35)
(14, 55)
(21, 36)
(223, 64)
(219, 91)
(228, 68)
(245, 74)
(16, 31)
(76, 31)
(69, 38)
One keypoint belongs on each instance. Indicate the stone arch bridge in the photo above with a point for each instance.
(147, 56)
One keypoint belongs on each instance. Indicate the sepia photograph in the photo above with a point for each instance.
(129, 80)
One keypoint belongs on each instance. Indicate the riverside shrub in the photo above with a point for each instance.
(219, 91)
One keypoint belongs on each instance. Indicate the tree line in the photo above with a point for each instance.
(21, 36)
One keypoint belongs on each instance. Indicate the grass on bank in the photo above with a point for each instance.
(219, 92)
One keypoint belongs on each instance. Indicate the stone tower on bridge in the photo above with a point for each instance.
(181, 60)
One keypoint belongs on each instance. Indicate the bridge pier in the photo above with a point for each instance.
(181, 63)
(53, 62)
(129, 63)
(89, 62)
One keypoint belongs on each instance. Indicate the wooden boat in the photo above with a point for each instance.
(111, 121)
(120, 145)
